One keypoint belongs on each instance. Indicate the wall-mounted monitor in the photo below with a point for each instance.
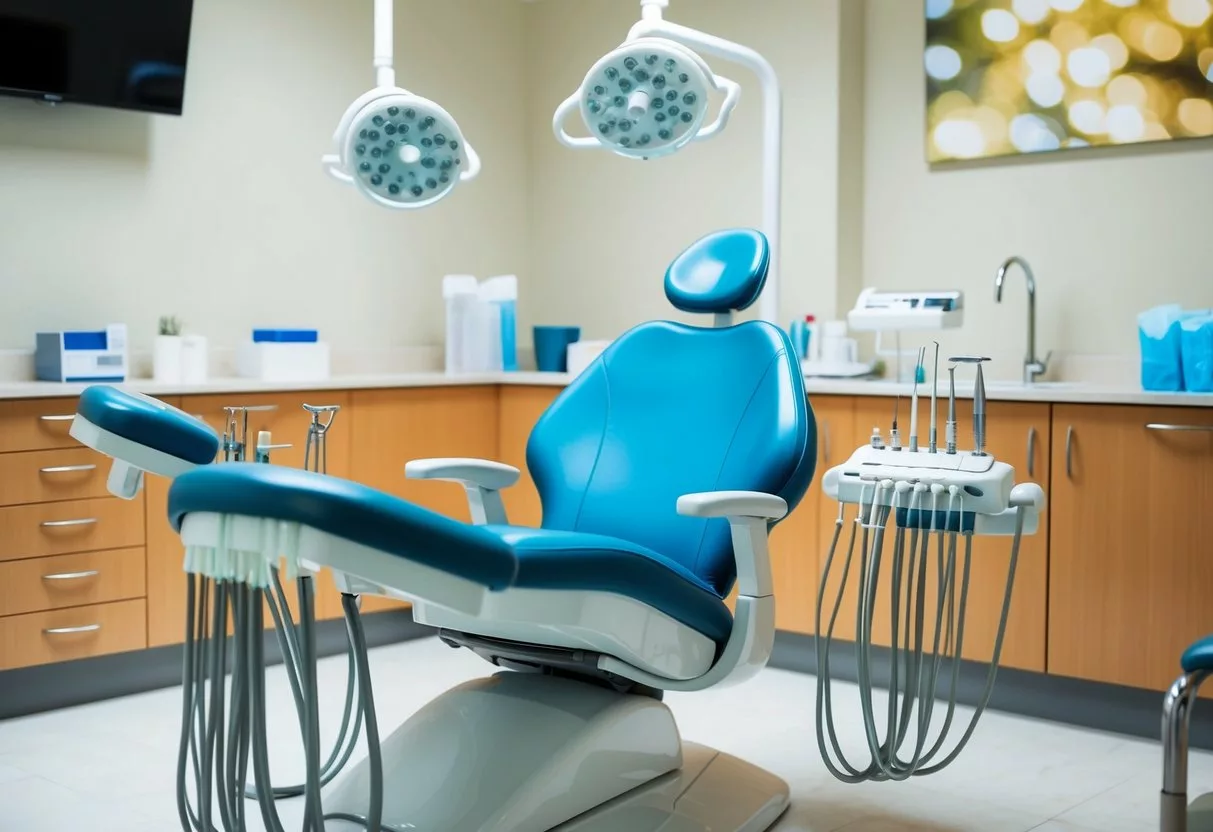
(129, 54)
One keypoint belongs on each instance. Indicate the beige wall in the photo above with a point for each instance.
(1109, 232)
(224, 217)
(603, 228)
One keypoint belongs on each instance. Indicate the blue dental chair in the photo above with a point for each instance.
(661, 470)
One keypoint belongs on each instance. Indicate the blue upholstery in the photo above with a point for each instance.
(347, 510)
(149, 422)
(721, 272)
(1199, 656)
(668, 410)
(570, 561)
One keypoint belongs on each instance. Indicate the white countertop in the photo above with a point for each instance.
(1075, 393)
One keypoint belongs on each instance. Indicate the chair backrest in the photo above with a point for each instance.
(670, 409)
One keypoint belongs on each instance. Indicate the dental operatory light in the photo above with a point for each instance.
(399, 149)
(649, 97)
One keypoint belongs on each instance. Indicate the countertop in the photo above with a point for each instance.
(1053, 392)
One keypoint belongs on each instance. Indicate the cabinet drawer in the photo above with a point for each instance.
(74, 526)
(47, 476)
(76, 633)
(36, 425)
(71, 580)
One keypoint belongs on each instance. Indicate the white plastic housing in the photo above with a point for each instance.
(877, 311)
(277, 362)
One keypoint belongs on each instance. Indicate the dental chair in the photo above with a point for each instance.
(1177, 815)
(661, 470)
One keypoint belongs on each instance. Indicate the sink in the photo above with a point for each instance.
(1020, 385)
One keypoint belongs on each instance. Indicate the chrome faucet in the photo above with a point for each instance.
(1032, 366)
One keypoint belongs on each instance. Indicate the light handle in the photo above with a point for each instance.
(562, 113)
(473, 167)
(732, 92)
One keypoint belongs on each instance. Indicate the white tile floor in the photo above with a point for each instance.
(110, 765)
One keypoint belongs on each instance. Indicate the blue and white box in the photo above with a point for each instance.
(81, 356)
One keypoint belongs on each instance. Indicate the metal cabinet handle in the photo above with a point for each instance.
(62, 631)
(1069, 452)
(825, 442)
(67, 469)
(54, 524)
(1199, 428)
(72, 576)
(57, 418)
(1032, 451)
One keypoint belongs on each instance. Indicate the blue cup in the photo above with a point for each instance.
(552, 347)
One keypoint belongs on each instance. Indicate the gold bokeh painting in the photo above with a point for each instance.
(1029, 76)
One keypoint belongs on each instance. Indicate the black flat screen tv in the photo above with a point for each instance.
(129, 54)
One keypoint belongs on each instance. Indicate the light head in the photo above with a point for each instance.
(647, 98)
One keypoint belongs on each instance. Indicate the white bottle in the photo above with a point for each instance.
(459, 291)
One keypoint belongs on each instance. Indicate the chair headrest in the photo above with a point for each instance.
(722, 272)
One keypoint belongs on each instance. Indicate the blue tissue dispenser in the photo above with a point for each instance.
(1196, 343)
(1158, 332)
(94, 356)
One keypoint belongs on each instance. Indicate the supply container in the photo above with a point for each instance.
(459, 292)
(1158, 332)
(501, 294)
(283, 355)
(552, 347)
(1196, 351)
(166, 359)
(194, 359)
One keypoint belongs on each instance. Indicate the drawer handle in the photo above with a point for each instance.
(57, 524)
(1200, 428)
(72, 576)
(67, 469)
(63, 631)
(1070, 452)
(57, 418)
(1032, 451)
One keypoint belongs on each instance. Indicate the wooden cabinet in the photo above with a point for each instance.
(392, 427)
(72, 557)
(519, 409)
(1017, 433)
(1131, 558)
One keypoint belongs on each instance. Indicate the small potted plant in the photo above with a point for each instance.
(166, 353)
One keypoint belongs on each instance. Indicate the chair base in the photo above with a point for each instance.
(526, 752)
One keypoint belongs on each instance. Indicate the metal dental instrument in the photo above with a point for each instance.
(950, 427)
(922, 351)
(934, 395)
(315, 454)
(895, 434)
(236, 425)
(979, 402)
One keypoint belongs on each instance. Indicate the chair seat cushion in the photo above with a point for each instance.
(552, 559)
(347, 510)
(1199, 656)
(148, 422)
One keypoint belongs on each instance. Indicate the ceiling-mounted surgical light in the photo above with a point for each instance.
(399, 149)
(649, 98)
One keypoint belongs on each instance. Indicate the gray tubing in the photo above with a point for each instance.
(921, 672)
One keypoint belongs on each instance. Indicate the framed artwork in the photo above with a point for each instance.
(1007, 77)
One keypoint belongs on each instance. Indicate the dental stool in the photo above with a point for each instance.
(1177, 814)
(661, 470)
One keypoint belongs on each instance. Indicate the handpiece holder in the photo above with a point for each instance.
(985, 489)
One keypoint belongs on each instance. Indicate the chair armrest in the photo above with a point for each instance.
(749, 513)
(482, 479)
(732, 504)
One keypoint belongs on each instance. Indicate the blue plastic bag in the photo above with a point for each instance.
(1158, 331)
(1196, 348)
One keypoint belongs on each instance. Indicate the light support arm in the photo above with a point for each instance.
(385, 74)
(653, 25)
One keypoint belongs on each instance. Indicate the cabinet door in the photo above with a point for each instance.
(796, 541)
(391, 427)
(521, 408)
(1130, 565)
(1008, 426)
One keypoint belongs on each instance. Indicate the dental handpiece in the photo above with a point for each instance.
(914, 402)
(950, 429)
(934, 396)
(895, 434)
(979, 414)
